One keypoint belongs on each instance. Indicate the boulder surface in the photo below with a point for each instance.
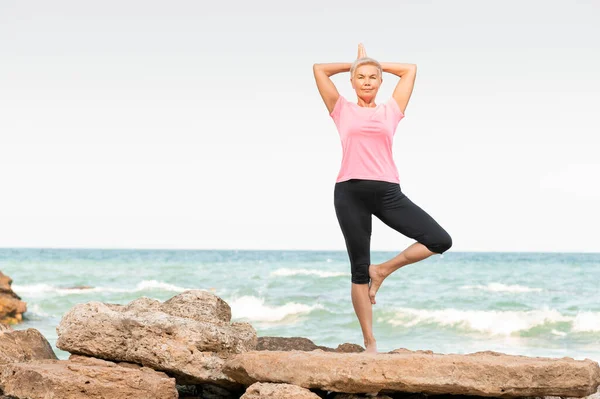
(481, 374)
(81, 377)
(11, 306)
(24, 345)
(178, 336)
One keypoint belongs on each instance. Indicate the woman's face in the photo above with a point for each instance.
(366, 81)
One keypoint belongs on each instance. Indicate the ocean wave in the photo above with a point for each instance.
(499, 287)
(306, 272)
(45, 289)
(492, 322)
(34, 311)
(254, 309)
(587, 322)
(559, 333)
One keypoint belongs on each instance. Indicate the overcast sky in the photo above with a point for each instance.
(198, 125)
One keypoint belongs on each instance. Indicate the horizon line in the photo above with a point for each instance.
(286, 250)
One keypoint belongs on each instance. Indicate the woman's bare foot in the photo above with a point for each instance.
(376, 280)
(371, 346)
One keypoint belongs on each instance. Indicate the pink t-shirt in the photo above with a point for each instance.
(367, 135)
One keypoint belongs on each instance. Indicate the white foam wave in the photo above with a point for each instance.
(32, 289)
(499, 287)
(306, 272)
(44, 289)
(490, 322)
(35, 311)
(254, 309)
(587, 321)
(559, 333)
(158, 285)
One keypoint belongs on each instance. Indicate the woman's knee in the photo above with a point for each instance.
(439, 243)
(360, 274)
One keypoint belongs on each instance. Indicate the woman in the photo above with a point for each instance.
(368, 182)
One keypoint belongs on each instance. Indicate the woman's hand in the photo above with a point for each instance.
(361, 51)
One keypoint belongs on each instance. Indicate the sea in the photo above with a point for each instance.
(532, 304)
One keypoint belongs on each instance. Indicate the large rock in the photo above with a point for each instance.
(81, 377)
(193, 304)
(268, 390)
(175, 336)
(24, 345)
(11, 306)
(482, 374)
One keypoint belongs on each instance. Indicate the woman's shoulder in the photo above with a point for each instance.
(340, 103)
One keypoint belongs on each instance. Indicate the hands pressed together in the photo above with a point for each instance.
(361, 51)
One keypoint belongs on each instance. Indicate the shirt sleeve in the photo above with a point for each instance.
(397, 114)
(337, 109)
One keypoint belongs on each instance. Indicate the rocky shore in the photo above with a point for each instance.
(187, 347)
(11, 306)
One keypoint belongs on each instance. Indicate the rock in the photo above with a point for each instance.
(213, 308)
(80, 377)
(482, 374)
(5, 285)
(355, 396)
(288, 344)
(174, 336)
(267, 390)
(300, 344)
(404, 350)
(195, 305)
(349, 348)
(593, 396)
(24, 345)
(11, 306)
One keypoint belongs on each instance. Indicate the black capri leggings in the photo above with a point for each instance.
(356, 200)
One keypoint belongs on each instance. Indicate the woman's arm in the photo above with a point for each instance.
(397, 68)
(404, 88)
(326, 87)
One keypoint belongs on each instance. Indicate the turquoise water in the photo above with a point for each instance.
(534, 304)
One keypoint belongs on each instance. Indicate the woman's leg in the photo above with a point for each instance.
(354, 217)
(364, 312)
(378, 273)
(400, 213)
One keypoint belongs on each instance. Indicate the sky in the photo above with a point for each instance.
(198, 125)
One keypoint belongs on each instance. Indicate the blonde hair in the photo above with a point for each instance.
(365, 61)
